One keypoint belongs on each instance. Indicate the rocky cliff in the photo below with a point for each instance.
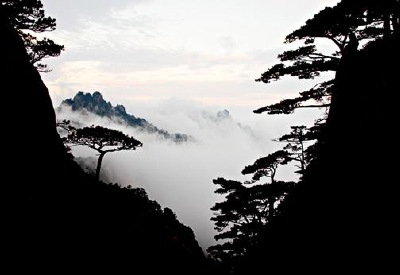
(55, 218)
(342, 217)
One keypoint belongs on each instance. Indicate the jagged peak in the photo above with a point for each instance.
(97, 95)
(120, 108)
(96, 104)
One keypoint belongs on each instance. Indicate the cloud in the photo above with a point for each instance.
(206, 50)
(179, 176)
(74, 10)
(204, 55)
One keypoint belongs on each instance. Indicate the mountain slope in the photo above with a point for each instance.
(95, 104)
(54, 216)
(343, 215)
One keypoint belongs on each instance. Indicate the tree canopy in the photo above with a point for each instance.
(103, 140)
(247, 207)
(28, 18)
(348, 24)
(351, 25)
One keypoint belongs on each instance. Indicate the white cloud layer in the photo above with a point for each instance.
(176, 63)
(180, 176)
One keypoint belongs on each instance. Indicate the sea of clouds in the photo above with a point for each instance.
(180, 175)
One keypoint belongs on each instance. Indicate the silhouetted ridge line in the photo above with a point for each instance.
(341, 216)
(95, 103)
(56, 217)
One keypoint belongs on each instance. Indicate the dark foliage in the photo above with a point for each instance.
(341, 216)
(247, 208)
(102, 140)
(28, 17)
(348, 25)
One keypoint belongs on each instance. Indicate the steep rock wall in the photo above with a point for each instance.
(342, 217)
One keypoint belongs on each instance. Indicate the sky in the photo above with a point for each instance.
(177, 63)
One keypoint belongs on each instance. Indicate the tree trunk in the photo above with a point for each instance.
(386, 25)
(99, 161)
(396, 23)
(271, 209)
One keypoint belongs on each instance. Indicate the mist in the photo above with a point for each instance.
(179, 175)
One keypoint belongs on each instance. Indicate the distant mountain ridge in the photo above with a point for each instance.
(95, 103)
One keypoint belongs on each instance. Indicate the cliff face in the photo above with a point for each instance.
(31, 139)
(55, 217)
(342, 216)
(34, 155)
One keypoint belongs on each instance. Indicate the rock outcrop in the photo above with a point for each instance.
(95, 104)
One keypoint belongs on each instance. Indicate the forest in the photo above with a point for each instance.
(339, 216)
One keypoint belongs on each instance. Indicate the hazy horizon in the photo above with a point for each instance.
(179, 176)
(174, 63)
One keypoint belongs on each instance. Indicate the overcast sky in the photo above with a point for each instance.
(137, 51)
(170, 60)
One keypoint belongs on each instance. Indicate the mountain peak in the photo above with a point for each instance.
(224, 114)
(97, 95)
(92, 103)
(96, 104)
